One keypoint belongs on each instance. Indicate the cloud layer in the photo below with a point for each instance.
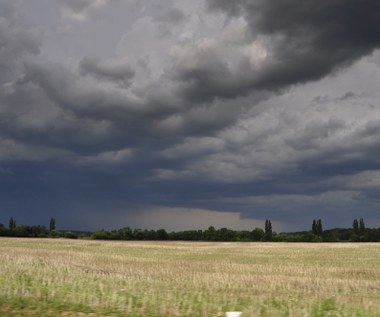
(264, 109)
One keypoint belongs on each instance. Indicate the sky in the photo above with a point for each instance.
(182, 114)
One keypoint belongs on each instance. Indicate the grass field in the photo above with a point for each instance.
(44, 277)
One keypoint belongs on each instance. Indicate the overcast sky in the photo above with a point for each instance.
(183, 114)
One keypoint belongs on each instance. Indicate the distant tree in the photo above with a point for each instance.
(319, 228)
(114, 235)
(162, 234)
(257, 234)
(210, 234)
(138, 234)
(101, 235)
(3, 230)
(314, 229)
(126, 233)
(361, 226)
(31, 231)
(12, 224)
(355, 226)
(70, 235)
(225, 234)
(243, 235)
(268, 230)
(331, 237)
(52, 224)
(189, 235)
(54, 234)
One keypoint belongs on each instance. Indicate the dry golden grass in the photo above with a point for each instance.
(189, 279)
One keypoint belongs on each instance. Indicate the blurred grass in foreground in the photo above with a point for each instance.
(47, 277)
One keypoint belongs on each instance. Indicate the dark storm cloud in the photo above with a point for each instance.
(186, 111)
(120, 74)
(304, 41)
(211, 78)
(71, 92)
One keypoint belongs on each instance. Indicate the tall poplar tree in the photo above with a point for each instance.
(268, 230)
(314, 227)
(361, 226)
(319, 228)
(52, 224)
(12, 224)
(355, 226)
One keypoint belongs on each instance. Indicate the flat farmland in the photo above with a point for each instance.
(59, 277)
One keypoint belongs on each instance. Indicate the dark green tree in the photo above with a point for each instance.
(319, 228)
(314, 227)
(355, 226)
(162, 234)
(268, 230)
(126, 233)
(361, 226)
(3, 230)
(210, 234)
(257, 234)
(12, 224)
(52, 224)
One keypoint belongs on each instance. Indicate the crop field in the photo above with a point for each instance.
(58, 277)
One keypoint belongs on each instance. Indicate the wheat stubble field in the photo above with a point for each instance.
(46, 277)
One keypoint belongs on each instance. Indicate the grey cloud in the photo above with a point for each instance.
(279, 141)
(193, 147)
(7, 9)
(211, 78)
(119, 73)
(104, 121)
(87, 100)
(42, 110)
(348, 95)
(324, 99)
(16, 42)
(367, 179)
(315, 133)
(107, 158)
(303, 41)
(167, 20)
(170, 16)
(66, 90)
(77, 5)
(13, 150)
(81, 10)
(202, 118)
(52, 106)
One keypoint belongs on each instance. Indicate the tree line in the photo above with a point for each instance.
(36, 231)
(357, 233)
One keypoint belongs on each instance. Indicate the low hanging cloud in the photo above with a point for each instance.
(193, 219)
